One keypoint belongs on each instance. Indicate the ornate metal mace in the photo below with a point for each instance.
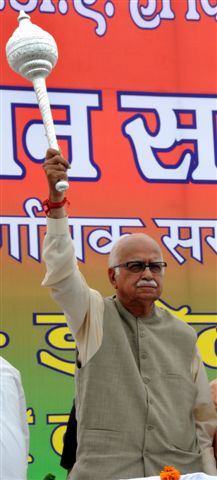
(32, 52)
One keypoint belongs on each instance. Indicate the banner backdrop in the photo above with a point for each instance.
(134, 100)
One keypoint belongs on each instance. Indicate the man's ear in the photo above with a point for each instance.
(112, 277)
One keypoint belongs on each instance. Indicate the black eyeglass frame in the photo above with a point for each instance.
(142, 266)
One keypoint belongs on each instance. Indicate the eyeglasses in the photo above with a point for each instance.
(136, 266)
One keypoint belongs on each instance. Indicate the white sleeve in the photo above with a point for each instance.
(14, 436)
(82, 306)
(205, 415)
(68, 287)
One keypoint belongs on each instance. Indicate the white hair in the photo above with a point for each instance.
(114, 256)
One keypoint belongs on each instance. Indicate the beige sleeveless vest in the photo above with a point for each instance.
(135, 399)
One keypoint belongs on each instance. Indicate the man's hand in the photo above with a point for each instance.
(55, 167)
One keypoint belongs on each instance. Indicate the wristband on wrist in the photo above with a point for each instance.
(47, 204)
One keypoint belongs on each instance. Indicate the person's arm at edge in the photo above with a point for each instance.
(14, 432)
(204, 414)
(213, 390)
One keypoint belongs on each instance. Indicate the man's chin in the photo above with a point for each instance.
(147, 289)
(148, 294)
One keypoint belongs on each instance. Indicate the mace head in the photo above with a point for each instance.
(31, 51)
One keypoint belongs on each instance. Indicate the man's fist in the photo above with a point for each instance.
(55, 167)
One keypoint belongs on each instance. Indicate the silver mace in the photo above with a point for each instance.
(33, 53)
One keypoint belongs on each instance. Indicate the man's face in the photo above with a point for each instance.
(137, 291)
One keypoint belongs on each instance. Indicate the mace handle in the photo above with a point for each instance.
(44, 106)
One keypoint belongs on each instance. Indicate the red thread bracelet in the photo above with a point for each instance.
(47, 204)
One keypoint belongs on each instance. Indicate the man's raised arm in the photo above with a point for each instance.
(68, 287)
(82, 306)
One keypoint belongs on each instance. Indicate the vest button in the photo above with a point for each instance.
(146, 379)
(142, 334)
(144, 355)
(149, 427)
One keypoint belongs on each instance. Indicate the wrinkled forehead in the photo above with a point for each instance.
(138, 246)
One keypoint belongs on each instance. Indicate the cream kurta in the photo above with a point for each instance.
(85, 319)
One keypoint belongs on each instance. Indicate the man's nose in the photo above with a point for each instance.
(147, 273)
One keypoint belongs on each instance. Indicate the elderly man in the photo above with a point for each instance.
(142, 395)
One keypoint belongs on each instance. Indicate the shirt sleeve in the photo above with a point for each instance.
(205, 415)
(14, 436)
(83, 307)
